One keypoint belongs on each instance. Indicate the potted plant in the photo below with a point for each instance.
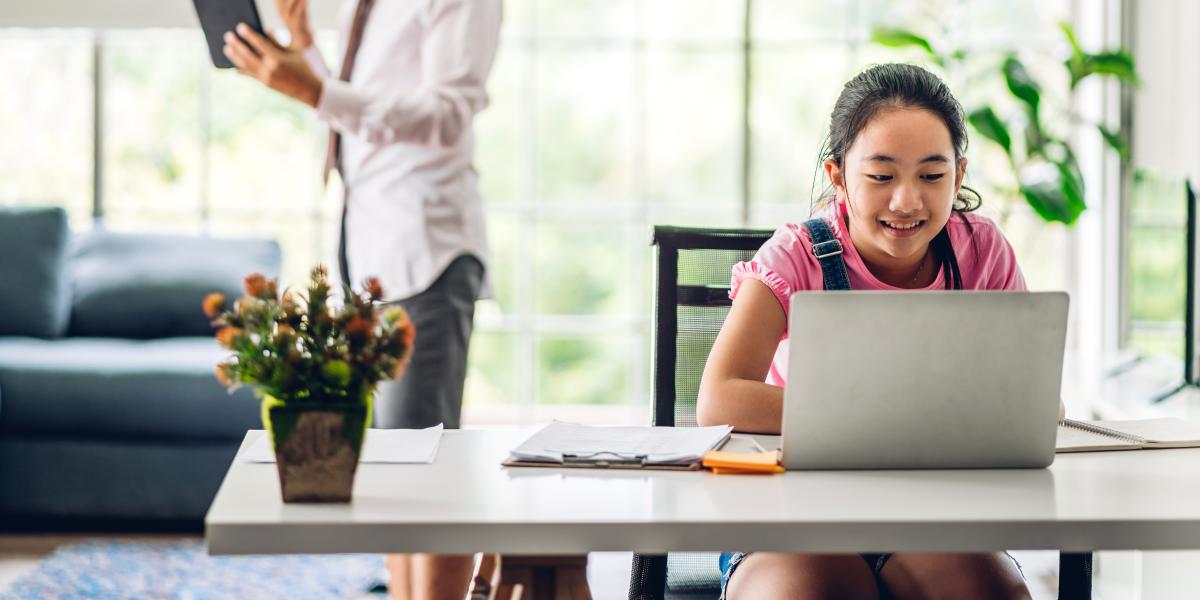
(315, 366)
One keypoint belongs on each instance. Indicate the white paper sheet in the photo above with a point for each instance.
(659, 445)
(411, 446)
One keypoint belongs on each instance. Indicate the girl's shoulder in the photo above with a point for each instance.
(977, 229)
(791, 241)
(788, 253)
(985, 257)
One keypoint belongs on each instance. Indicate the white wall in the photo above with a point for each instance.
(1166, 110)
(134, 13)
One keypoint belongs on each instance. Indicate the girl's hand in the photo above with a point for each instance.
(295, 17)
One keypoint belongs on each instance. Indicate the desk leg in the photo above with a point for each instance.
(546, 577)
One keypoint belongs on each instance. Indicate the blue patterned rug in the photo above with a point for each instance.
(183, 570)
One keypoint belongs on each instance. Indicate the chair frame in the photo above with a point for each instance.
(648, 573)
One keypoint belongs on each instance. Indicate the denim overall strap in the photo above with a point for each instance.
(828, 251)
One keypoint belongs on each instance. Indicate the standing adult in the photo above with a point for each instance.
(400, 110)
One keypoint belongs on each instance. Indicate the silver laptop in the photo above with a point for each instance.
(923, 380)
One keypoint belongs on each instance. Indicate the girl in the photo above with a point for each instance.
(897, 205)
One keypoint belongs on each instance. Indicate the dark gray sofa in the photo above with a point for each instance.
(109, 410)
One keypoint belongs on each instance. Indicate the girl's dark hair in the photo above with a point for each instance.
(895, 85)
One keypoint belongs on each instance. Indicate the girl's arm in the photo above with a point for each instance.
(732, 390)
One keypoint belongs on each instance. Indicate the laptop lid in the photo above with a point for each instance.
(918, 380)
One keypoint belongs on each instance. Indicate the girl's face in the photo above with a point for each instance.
(899, 181)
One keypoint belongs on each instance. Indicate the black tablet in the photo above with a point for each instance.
(219, 16)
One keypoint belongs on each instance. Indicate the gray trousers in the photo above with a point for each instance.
(432, 387)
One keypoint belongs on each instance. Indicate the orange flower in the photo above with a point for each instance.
(401, 365)
(223, 375)
(214, 303)
(374, 288)
(228, 336)
(358, 329)
(407, 334)
(410, 336)
(258, 286)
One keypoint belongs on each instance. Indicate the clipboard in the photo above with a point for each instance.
(631, 460)
(601, 460)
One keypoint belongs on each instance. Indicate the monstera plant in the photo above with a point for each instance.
(1043, 163)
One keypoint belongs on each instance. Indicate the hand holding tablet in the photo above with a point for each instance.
(220, 16)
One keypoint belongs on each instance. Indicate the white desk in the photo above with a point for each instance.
(466, 502)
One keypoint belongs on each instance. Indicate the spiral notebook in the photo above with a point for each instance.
(1095, 436)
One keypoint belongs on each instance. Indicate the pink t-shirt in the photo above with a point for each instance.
(787, 265)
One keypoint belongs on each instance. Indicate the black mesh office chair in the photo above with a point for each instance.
(691, 302)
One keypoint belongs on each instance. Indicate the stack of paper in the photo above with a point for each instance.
(569, 444)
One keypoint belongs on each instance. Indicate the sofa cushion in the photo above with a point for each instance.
(33, 291)
(46, 477)
(152, 286)
(97, 387)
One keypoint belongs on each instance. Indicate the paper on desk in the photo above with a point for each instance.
(659, 445)
(413, 446)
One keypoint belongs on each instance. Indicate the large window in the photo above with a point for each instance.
(1156, 264)
(607, 116)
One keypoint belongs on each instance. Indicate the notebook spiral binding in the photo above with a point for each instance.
(1097, 429)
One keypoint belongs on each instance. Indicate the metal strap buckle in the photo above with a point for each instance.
(827, 249)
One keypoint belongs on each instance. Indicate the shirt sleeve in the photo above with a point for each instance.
(315, 61)
(774, 265)
(457, 51)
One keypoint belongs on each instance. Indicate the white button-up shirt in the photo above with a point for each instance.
(407, 141)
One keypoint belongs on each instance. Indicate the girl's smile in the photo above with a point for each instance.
(902, 228)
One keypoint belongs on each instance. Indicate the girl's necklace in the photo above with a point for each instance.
(920, 268)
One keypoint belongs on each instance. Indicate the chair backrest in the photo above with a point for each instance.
(691, 302)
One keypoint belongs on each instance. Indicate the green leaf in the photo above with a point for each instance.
(1115, 140)
(893, 37)
(1022, 85)
(1070, 33)
(988, 123)
(1045, 200)
(1072, 185)
(1117, 63)
(1035, 140)
(1054, 190)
